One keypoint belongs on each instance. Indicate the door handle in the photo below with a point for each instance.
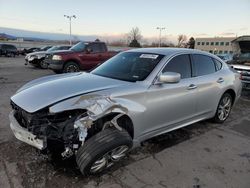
(220, 80)
(191, 86)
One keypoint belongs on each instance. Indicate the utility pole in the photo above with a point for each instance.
(160, 29)
(70, 17)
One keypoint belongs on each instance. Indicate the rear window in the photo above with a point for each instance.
(96, 47)
(203, 64)
(218, 64)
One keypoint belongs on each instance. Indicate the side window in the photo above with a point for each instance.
(96, 48)
(218, 64)
(180, 64)
(203, 65)
(63, 48)
(104, 48)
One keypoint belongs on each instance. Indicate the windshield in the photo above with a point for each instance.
(44, 48)
(129, 66)
(54, 48)
(80, 46)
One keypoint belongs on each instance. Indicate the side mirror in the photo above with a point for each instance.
(169, 77)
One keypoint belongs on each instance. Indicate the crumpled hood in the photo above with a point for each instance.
(37, 53)
(46, 91)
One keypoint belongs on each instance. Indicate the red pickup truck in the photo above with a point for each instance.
(82, 56)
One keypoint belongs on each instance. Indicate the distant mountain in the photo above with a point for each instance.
(6, 36)
(35, 35)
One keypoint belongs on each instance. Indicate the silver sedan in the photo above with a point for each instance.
(136, 95)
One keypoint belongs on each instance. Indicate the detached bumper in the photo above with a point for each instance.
(23, 135)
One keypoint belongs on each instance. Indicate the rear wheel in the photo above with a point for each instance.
(224, 108)
(71, 67)
(103, 150)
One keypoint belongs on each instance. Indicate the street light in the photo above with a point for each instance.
(70, 17)
(160, 28)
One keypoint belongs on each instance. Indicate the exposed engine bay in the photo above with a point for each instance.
(66, 131)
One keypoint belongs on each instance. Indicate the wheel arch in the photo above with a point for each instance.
(232, 93)
(124, 121)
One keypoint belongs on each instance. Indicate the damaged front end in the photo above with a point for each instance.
(65, 130)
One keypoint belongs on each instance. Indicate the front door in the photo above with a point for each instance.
(170, 105)
(93, 56)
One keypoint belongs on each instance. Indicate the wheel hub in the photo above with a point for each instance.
(109, 158)
(224, 108)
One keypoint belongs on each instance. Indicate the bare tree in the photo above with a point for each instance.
(134, 37)
(181, 40)
(134, 34)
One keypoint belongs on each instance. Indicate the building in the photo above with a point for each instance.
(241, 44)
(216, 45)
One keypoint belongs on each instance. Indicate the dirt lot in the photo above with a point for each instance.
(201, 155)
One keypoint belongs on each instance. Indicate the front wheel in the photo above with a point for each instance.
(103, 150)
(224, 108)
(43, 64)
(71, 67)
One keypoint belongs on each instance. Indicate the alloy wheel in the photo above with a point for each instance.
(224, 108)
(109, 158)
(43, 64)
(72, 68)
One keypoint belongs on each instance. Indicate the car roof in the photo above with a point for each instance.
(168, 51)
(8, 45)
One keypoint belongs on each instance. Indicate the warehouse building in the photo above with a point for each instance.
(216, 45)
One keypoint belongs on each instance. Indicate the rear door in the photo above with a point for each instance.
(209, 81)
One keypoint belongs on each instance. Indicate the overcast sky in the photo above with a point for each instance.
(115, 17)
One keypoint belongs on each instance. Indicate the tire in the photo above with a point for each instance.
(12, 55)
(43, 65)
(101, 149)
(224, 108)
(71, 67)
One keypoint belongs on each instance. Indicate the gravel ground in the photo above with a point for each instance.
(200, 155)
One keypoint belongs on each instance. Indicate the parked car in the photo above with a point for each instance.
(82, 56)
(8, 50)
(243, 58)
(136, 95)
(241, 63)
(244, 70)
(37, 58)
(226, 57)
(29, 50)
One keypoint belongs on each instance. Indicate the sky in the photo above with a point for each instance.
(114, 18)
